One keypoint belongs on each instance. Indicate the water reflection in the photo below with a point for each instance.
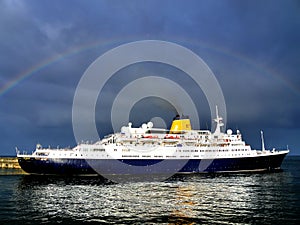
(9, 172)
(184, 213)
(193, 199)
(246, 199)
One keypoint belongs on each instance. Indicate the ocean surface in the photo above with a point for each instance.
(253, 198)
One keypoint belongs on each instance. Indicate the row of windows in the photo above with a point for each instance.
(144, 156)
(72, 154)
(238, 150)
(171, 156)
(181, 156)
(210, 150)
(99, 150)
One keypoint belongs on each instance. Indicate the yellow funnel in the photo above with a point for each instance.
(179, 125)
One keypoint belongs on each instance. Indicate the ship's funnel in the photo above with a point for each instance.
(180, 124)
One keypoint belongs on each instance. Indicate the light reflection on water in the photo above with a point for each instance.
(11, 172)
(193, 199)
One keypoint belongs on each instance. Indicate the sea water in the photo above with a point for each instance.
(251, 198)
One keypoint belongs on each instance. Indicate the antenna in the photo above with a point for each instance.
(218, 120)
(262, 141)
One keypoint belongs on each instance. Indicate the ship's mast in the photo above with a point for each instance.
(262, 141)
(219, 122)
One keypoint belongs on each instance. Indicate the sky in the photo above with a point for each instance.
(252, 47)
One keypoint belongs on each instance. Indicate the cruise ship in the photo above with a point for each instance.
(149, 150)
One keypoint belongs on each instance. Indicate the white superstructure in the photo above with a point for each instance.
(146, 142)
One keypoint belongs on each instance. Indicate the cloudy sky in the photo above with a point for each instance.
(252, 47)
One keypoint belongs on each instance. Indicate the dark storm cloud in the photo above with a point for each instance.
(251, 46)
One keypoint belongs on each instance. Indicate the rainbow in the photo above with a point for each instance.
(49, 61)
(271, 73)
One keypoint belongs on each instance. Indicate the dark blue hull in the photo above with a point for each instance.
(261, 163)
(56, 167)
(94, 167)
